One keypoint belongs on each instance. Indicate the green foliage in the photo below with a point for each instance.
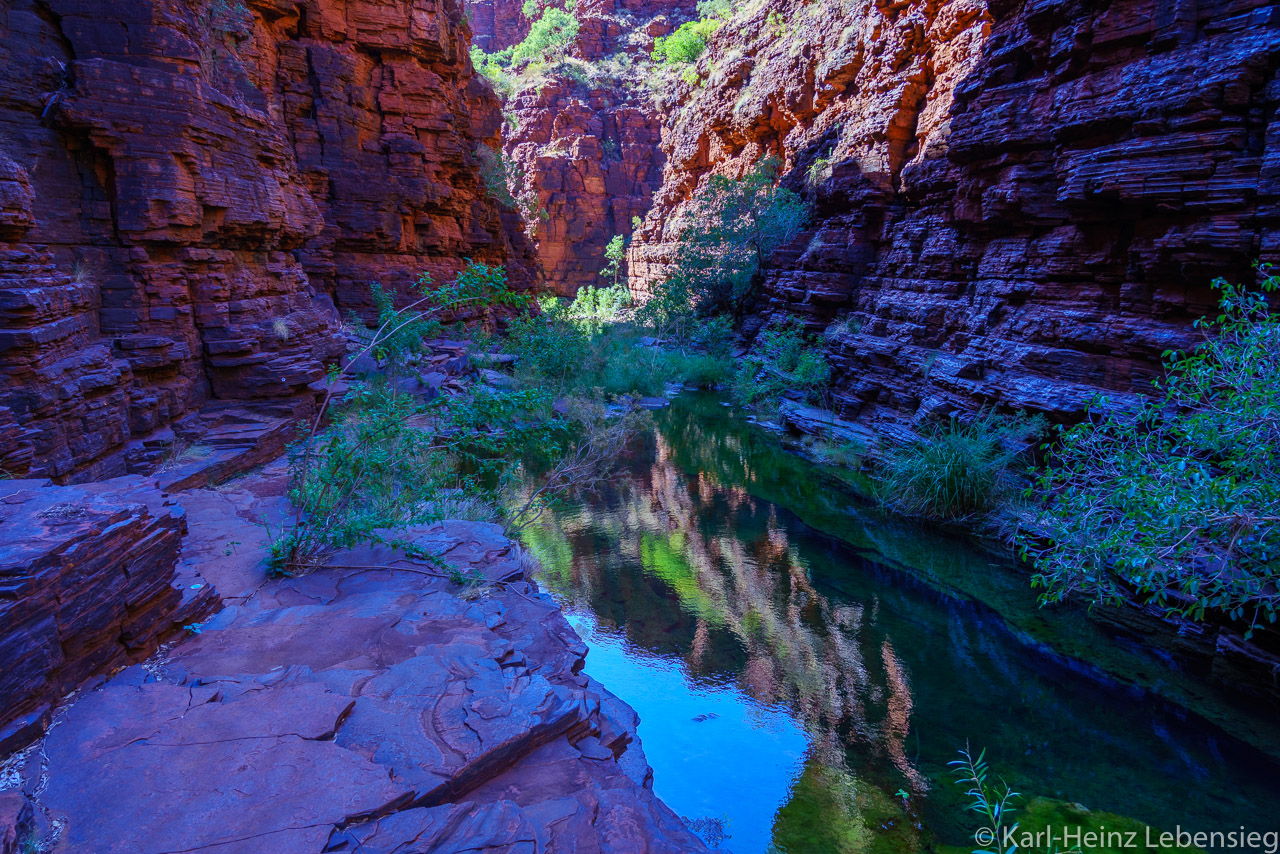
(1177, 503)
(495, 67)
(994, 804)
(601, 303)
(703, 370)
(388, 459)
(957, 470)
(583, 349)
(549, 346)
(785, 360)
(722, 9)
(615, 253)
(730, 231)
(495, 174)
(686, 44)
(550, 36)
(819, 171)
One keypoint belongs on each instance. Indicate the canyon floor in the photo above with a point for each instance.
(412, 707)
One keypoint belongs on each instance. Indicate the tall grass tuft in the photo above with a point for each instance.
(957, 470)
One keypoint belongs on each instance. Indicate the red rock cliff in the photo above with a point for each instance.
(1015, 203)
(187, 187)
(584, 135)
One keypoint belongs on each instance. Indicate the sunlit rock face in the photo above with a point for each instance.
(587, 147)
(1014, 204)
(187, 189)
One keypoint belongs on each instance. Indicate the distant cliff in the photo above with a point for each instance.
(584, 136)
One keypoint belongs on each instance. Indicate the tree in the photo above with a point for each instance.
(686, 44)
(614, 254)
(549, 37)
(1177, 503)
(727, 237)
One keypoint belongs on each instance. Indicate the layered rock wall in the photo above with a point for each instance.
(584, 136)
(187, 189)
(1014, 204)
(87, 585)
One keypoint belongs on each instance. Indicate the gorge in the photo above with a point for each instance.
(218, 217)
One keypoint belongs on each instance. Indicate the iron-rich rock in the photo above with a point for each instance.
(1015, 205)
(379, 710)
(188, 189)
(88, 584)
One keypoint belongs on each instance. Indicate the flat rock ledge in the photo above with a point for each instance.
(353, 710)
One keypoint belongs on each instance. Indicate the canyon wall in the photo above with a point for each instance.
(583, 135)
(1015, 204)
(191, 190)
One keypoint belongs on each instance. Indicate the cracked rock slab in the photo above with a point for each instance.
(360, 710)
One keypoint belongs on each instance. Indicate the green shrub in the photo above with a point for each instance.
(600, 303)
(1177, 503)
(957, 470)
(686, 44)
(549, 37)
(784, 360)
(639, 373)
(549, 346)
(726, 239)
(704, 370)
(370, 472)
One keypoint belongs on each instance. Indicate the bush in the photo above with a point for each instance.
(550, 347)
(958, 470)
(644, 374)
(600, 303)
(704, 370)
(726, 239)
(785, 360)
(550, 36)
(1177, 503)
(371, 472)
(686, 44)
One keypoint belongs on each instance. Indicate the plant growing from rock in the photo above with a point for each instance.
(387, 455)
(549, 38)
(784, 361)
(957, 470)
(726, 240)
(1176, 504)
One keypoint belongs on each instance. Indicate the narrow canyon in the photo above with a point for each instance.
(356, 364)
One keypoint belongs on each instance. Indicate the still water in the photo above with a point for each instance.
(804, 668)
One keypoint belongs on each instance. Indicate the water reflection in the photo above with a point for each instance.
(799, 686)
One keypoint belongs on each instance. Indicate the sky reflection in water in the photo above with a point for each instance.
(844, 671)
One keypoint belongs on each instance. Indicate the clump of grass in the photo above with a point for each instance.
(955, 471)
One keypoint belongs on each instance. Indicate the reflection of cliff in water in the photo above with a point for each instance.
(748, 611)
(710, 553)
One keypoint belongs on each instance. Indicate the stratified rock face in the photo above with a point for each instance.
(497, 24)
(586, 140)
(187, 188)
(1015, 204)
(87, 585)
(591, 158)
